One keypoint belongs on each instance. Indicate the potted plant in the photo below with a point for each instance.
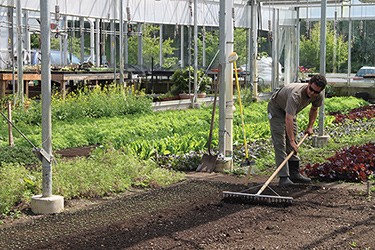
(166, 97)
(303, 74)
(180, 81)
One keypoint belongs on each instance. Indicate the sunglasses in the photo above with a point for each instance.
(313, 90)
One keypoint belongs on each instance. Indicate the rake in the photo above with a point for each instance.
(259, 197)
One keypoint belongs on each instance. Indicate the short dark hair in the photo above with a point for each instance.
(319, 80)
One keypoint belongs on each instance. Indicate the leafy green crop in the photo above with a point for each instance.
(169, 132)
(22, 155)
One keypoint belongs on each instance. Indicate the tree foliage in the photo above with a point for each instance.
(212, 46)
(335, 45)
(363, 49)
(151, 48)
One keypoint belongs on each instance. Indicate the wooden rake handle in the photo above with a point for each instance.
(280, 167)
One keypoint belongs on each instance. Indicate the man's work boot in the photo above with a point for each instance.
(295, 175)
(285, 181)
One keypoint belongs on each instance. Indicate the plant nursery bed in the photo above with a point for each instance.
(192, 214)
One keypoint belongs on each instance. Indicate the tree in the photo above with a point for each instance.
(310, 49)
(363, 44)
(240, 45)
(151, 48)
(212, 46)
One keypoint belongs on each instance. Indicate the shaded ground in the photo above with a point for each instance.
(193, 215)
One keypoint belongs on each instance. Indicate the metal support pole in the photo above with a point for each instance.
(82, 34)
(46, 203)
(295, 78)
(103, 41)
(140, 52)
(350, 46)
(221, 74)
(27, 38)
(11, 35)
(323, 30)
(112, 41)
(121, 44)
(19, 50)
(253, 43)
(161, 46)
(97, 24)
(46, 95)
(204, 46)
(65, 40)
(182, 47)
(334, 61)
(230, 108)
(195, 50)
(189, 57)
(275, 60)
(92, 41)
(126, 49)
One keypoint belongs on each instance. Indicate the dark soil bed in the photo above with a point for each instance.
(193, 215)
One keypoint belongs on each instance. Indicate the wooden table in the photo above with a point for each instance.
(5, 77)
(92, 77)
(63, 77)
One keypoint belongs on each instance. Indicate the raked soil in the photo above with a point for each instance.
(192, 214)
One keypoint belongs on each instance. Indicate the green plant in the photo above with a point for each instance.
(343, 103)
(180, 80)
(17, 185)
(22, 155)
(166, 95)
(106, 171)
(92, 103)
(353, 244)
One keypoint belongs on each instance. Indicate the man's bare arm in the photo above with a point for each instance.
(312, 117)
(289, 131)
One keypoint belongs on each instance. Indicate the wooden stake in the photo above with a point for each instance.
(11, 141)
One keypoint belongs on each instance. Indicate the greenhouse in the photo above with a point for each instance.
(187, 124)
(258, 28)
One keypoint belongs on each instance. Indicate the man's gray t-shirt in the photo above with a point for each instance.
(292, 98)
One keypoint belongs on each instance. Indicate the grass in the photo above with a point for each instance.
(105, 172)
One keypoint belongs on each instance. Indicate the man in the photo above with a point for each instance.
(283, 108)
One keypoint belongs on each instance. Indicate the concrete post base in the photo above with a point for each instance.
(197, 105)
(320, 141)
(224, 164)
(47, 205)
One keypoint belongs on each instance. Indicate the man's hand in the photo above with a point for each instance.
(309, 131)
(294, 146)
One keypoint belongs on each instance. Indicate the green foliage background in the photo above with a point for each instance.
(151, 47)
(310, 49)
